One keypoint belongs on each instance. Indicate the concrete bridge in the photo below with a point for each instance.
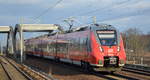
(20, 29)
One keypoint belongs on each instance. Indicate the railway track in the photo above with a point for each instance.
(14, 71)
(65, 71)
(38, 75)
(10, 71)
(103, 75)
(137, 70)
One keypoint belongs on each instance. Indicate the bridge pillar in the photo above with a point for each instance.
(9, 31)
(20, 28)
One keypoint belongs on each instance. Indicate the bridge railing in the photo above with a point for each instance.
(140, 60)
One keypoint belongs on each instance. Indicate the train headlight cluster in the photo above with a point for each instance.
(100, 62)
(121, 62)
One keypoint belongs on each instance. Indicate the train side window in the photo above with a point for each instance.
(88, 45)
(45, 47)
(49, 48)
(80, 44)
(85, 43)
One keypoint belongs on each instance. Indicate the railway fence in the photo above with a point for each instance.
(138, 60)
(138, 63)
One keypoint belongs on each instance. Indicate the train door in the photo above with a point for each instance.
(55, 46)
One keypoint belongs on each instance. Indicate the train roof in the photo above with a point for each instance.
(87, 27)
(94, 27)
(81, 28)
(103, 27)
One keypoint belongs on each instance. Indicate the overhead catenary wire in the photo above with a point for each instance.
(98, 9)
(105, 8)
(48, 9)
(44, 12)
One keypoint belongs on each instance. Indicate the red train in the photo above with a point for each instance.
(96, 46)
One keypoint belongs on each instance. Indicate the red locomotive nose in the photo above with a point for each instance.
(110, 51)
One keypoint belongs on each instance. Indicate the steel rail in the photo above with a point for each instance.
(7, 73)
(18, 69)
(137, 71)
(96, 73)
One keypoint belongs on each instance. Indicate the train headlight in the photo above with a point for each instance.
(118, 48)
(101, 49)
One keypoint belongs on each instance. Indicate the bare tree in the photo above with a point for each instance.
(134, 43)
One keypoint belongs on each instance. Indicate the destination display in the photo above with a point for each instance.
(105, 31)
(106, 34)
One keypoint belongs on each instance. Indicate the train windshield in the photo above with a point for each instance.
(107, 38)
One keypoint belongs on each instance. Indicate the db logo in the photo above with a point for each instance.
(110, 50)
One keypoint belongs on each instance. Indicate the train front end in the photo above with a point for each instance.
(108, 52)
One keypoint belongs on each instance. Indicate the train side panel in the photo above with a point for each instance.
(76, 46)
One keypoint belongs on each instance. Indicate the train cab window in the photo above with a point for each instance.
(107, 38)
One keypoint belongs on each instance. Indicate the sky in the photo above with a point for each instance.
(122, 14)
